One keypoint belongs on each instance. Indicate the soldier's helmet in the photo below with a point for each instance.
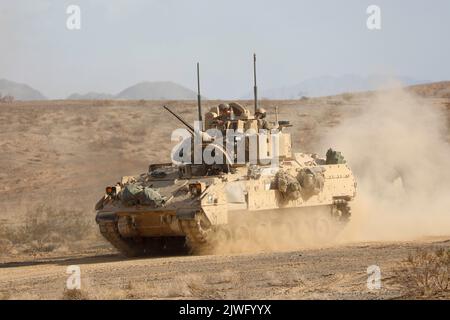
(260, 113)
(224, 108)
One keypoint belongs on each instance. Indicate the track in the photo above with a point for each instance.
(110, 232)
(337, 272)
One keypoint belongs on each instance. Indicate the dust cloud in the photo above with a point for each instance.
(396, 146)
(397, 150)
(276, 231)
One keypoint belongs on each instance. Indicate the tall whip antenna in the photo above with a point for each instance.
(199, 98)
(255, 89)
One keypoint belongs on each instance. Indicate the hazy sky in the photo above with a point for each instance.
(122, 42)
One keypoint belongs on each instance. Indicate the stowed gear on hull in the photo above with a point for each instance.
(179, 206)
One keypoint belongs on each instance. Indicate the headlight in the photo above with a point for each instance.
(110, 191)
(195, 189)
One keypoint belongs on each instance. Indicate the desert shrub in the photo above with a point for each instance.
(46, 228)
(5, 296)
(425, 272)
(139, 131)
(183, 112)
(5, 243)
(101, 142)
(75, 294)
(46, 220)
(347, 96)
(102, 103)
(335, 102)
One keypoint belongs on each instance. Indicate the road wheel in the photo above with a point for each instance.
(197, 232)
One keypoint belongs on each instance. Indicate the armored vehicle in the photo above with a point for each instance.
(233, 171)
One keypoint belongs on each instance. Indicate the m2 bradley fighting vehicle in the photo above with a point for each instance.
(230, 173)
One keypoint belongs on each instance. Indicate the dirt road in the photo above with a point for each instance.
(338, 272)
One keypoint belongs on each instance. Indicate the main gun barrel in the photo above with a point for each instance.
(190, 128)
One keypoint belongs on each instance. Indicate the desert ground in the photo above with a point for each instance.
(338, 272)
(56, 157)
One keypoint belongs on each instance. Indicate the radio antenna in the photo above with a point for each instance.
(199, 98)
(255, 88)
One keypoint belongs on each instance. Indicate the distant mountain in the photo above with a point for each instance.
(328, 85)
(90, 96)
(19, 91)
(157, 91)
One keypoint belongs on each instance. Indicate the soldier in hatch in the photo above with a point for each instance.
(224, 115)
(260, 116)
